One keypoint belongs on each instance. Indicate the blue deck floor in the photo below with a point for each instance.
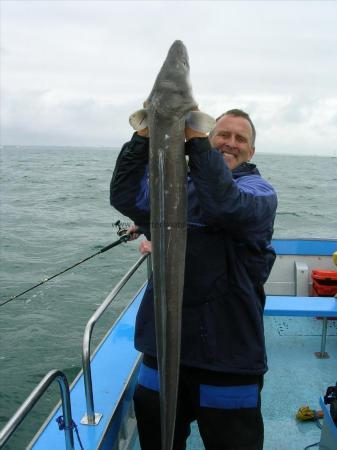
(295, 378)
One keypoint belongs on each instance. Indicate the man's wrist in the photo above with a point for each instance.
(138, 138)
(197, 145)
(191, 134)
(143, 133)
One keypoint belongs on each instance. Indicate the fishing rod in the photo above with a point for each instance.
(125, 236)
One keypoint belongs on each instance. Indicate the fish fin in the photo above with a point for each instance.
(138, 120)
(200, 121)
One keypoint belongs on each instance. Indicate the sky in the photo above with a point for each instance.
(72, 71)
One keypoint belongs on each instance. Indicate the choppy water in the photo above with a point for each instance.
(54, 212)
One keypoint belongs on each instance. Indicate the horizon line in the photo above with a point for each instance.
(2, 146)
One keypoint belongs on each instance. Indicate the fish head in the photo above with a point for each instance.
(171, 95)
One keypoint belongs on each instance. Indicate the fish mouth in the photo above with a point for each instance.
(171, 95)
(179, 50)
(178, 59)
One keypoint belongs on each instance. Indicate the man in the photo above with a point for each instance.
(231, 212)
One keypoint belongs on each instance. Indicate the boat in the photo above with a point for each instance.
(96, 411)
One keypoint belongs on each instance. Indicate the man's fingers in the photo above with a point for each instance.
(145, 247)
(134, 236)
(133, 232)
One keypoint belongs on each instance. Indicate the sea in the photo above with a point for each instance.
(55, 211)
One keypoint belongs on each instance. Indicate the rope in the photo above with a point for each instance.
(61, 424)
(305, 413)
(312, 445)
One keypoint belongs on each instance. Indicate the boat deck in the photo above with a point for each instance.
(295, 378)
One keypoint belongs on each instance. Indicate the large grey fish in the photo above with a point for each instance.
(166, 110)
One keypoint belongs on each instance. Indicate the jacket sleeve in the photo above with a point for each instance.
(246, 202)
(129, 187)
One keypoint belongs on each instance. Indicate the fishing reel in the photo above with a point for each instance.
(121, 232)
(124, 234)
(330, 398)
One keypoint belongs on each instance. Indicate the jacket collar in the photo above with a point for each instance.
(245, 169)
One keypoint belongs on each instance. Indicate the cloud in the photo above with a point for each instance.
(73, 71)
(48, 118)
(284, 125)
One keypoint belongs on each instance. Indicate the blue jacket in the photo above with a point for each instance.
(228, 258)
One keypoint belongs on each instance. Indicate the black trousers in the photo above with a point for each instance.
(227, 408)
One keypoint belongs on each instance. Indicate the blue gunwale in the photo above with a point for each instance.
(111, 367)
(315, 247)
(327, 418)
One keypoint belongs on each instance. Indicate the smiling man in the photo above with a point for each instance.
(234, 136)
(231, 211)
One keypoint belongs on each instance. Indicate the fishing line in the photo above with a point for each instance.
(125, 236)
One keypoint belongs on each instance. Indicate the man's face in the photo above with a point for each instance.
(232, 136)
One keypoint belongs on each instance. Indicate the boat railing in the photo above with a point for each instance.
(91, 417)
(31, 400)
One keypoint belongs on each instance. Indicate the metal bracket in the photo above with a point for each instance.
(301, 279)
(85, 421)
(323, 354)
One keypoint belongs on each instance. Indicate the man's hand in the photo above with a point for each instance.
(133, 231)
(144, 132)
(190, 133)
(145, 247)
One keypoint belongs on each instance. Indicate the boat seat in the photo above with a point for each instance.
(283, 305)
(325, 307)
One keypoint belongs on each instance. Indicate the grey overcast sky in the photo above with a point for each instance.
(73, 71)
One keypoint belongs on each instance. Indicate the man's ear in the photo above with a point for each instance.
(252, 152)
